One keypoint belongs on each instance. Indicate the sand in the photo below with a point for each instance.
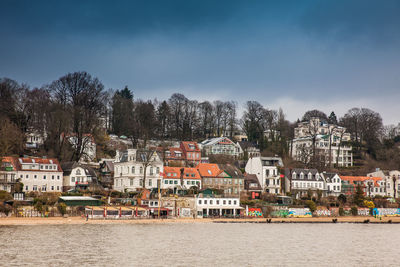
(80, 220)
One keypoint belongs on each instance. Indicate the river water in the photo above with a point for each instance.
(198, 244)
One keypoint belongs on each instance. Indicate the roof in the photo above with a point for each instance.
(208, 169)
(272, 161)
(353, 179)
(18, 162)
(187, 146)
(74, 198)
(314, 172)
(232, 170)
(188, 173)
(216, 140)
(69, 166)
(328, 176)
(251, 179)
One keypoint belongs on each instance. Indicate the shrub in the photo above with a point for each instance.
(341, 211)
(62, 208)
(311, 205)
(354, 211)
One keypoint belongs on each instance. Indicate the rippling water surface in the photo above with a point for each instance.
(208, 244)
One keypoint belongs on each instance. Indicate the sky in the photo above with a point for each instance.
(297, 55)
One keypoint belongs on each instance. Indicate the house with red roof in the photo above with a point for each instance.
(36, 174)
(371, 186)
(180, 178)
(191, 151)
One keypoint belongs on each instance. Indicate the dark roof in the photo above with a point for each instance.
(328, 176)
(69, 166)
(251, 179)
(230, 169)
(288, 174)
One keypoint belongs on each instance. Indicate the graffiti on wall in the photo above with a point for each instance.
(300, 212)
(255, 212)
(386, 212)
(363, 212)
(322, 212)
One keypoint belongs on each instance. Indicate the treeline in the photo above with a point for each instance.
(78, 104)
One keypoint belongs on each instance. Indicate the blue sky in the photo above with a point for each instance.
(298, 55)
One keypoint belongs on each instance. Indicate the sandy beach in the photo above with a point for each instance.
(80, 220)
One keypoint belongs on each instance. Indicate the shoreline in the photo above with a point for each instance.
(80, 220)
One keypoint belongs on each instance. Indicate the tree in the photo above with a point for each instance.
(314, 114)
(83, 98)
(11, 138)
(62, 208)
(358, 196)
(332, 119)
(122, 111)
(147, 157)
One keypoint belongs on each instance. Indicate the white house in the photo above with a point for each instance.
(390, 181)
(266, 170)
(36, 174)
(329, 144)
(77, 175)
(176, 178)
(300, 181)
(131, 165)
(88, 148)
(333, 183)
(221, 145)
(215, 206)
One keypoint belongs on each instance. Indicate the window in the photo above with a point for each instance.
(41, 167)
(175, 182)
(73, 179)
(58, 177)
(151, 170)
(165, 181)
(199, 201)
(131, 182)
(157, 170)
(217, 202)
(58, 187)
(46, 167)
(52, 177)
(224, 202)
(34, 188)
(150, 182)
(211, 202)
(52, 188)
(205, 202)
(141, 170)
(78, 172)
(21, 176)
(170, 181)
(234, 202)
(44, 177)
(133, 169)
(44, 188)
(229, 202)
(26, 188)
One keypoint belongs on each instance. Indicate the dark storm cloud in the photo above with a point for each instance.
(321, 54)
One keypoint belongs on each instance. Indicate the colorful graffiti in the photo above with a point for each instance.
(300, 212)
(322, 212)
(386, 212)
(255, 212)
(363, 212)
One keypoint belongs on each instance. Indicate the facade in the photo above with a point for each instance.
(207, 206)
(176, 178)
(191, 151)
(221, 146)
(390, 180)
(34, 139)
(252, 186)
(8, 174)
(36, 174)
(324, 134)
(77, 176)
(371, 186)
(266, 170)
(173, 155)
(131, 165)
(302, 181)
(333, 183)
(249, 149)
(224, 177)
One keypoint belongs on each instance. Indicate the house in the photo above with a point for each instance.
(221, 146)
(331, 143)
(177, 178)
(266, 170)
(172, 155)
(302, 181)
(34, 139)
(333, 183)
(212, 206)
(36, 174)
(249, 149)
(8, 174)
(73, 201)
(224, 177)
(252, 186)
(77, 175)
(191, 151)
(390, 181)
(371, 186)
(135, 169)
(106, 172)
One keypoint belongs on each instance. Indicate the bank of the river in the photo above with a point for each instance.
(80, 220)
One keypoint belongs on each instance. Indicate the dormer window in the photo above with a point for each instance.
(309, 176)
(301, 175)
(293, 176)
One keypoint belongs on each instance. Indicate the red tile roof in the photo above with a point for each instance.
(186, 147)
(188, 173)
(208, 169)
(353, 179)
(17, 162)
